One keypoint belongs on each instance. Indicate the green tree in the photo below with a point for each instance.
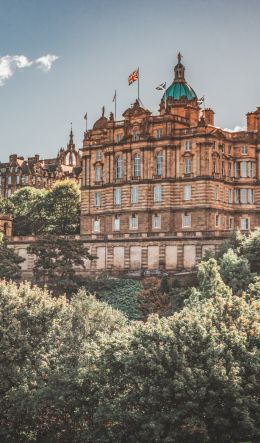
(235, 271)
(58, 263)
(10, 261)
(6, 206)
(251, 250)
(190, 378)
(29, 216)
(62, 205)
(210, 281)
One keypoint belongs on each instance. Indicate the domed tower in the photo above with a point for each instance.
(180, 98)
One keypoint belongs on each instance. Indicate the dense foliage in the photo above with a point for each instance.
(10, 262)
(37, 211)
(79, 372)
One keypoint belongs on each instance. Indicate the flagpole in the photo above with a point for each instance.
(115, 96)
(138, 86)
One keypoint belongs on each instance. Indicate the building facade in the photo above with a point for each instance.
(38, 173)
(153, 185)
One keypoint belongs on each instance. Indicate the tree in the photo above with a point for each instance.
(190, 378)
(10, 261)
(251, 250)
(29, 217)
(6, 206)
(235, 271)
(210, 281)
(62, 206)
(56, 261)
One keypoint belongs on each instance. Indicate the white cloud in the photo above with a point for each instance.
(236, 129)
(10, 63)
(45, 62)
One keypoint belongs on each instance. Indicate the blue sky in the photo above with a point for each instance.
(99, 42)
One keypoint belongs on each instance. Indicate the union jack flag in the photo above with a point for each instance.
(133, 77)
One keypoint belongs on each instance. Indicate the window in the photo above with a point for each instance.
(223, 168)
(236, 195)
(96, 225)
(119, 168)
(243, 169)
(243, 196)
(230, 196)
(229, 149)
(222, 148)
(231, 223)
(117, 223)
(98, 156)
(230, 169)
(244, 224)
(157, 193)
(134, 222)
(217, 220)
(156, 221)
(119, 137)
(250, 169)
(186, 220)
(98, 173)
(137, 165)
(213, 145)
(250, 196)
(188, 145)
(158, 133)
(136, 136)
(135, 195)
(237, 169)
(187, 166)
(187, 192)
(159, 163)
(217, 193)
(18, 179)
(117, 196)
(97, 198)
(214, 167)
(9, 180)
(244, 150)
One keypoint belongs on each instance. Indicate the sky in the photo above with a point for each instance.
(62, 58)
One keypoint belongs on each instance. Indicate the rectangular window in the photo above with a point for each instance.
(187, 166)
(97, 198)
(230, 169)
(136, 136)
(230, 196)
(117, 224)
(222, 148)
(214, 167)
(223, 168)
(217, 193)
(250, 169)
(134, 222)
(243, 169)
(119, 137)
(98, 156)
(186, 221)
(243, 196)
(244, 224)
(231, 223)
(188, 145)
(134, 195)
(98, 174)
(244, 150)
(236, 195)
(156, 221)
(229, 149)
(158, 133)
(237, 169)
(217, 220)
(187, 192)
(96, 225)
(157, 193)
(250, 196)
(117, 196)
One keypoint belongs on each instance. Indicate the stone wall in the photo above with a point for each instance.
(132, 256)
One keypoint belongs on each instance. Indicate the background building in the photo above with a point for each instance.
(39, 173)
(157, 189)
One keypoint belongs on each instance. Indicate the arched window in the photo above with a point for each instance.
(119, 168)
(159, 163)
(137, 165)
(70, 159)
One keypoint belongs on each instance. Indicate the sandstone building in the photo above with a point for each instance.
(38, 173)
(157, 190)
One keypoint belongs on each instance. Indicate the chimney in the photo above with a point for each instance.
(209, 116)
(253, 120)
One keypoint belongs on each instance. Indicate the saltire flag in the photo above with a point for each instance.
(133, 77)
(161, 87)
